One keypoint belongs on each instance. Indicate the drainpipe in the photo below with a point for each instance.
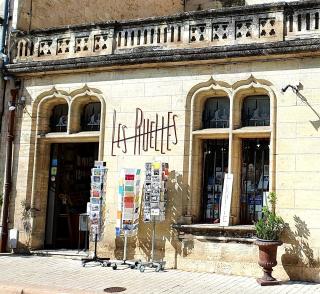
(3, 56)
(8, 173)
(4, 27)
(4, 60)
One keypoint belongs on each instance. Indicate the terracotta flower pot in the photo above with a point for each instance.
(267, 260)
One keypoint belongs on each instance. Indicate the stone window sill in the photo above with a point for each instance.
(215, 233)
(64, 136)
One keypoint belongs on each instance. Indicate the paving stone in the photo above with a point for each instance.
(52, 275)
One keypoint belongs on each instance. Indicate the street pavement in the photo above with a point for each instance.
(53, 275)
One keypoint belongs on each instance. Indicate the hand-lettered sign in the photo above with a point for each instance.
(155, 134)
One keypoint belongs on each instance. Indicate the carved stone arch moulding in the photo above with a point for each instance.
(86, 91)
(252, 87)
(251, 81)
(44, 104)
(53, 92)
(198, 95)
(79, 99)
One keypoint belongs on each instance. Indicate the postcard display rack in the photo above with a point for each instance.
(94, 209)
(154, 208)
(128, 212)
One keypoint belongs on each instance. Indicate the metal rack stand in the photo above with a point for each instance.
(129, 263)
(95, 258)
(158, 265)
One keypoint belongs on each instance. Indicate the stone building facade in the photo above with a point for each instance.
(217, 76)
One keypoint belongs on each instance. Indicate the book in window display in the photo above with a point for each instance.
(213, 196)
(265, 180)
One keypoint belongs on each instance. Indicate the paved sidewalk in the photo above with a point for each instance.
(51, 275)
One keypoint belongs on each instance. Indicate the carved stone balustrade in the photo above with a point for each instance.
(222, 28)
(302, 23)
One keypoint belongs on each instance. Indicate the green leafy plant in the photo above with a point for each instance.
(270, 226)
(26, 221)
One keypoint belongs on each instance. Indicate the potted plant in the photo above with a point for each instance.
(268, 231)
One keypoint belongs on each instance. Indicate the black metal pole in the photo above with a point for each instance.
(8, 173)
(95, 245)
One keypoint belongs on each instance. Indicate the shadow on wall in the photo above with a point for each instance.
(164, 231)
(298, 260)
(119, 247)
(178, 193)
(315, 123)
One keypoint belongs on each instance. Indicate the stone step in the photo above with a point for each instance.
(73, 254)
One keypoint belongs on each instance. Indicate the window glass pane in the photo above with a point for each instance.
(256, 111)
(216, 113)
(254, 178)
(90, 120)
(59, 118)
(215, 158)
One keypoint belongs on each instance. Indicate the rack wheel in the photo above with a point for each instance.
(114, 267)
(158, 268)
(136, 263)
(142, 268)
(133, 266)
(83, 264)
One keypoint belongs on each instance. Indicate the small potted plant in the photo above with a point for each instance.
(268, 231)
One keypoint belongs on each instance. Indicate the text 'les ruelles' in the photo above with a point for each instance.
(155, 134)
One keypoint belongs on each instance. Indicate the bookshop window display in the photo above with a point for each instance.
(254, 178)
(250, 157)
(215, 165)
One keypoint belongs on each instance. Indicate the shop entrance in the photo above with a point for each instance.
(68, 193)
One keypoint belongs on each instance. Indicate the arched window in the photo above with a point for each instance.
(90, 118)
(256, 111)
(216, 113)
(59, 118)
(232, 131)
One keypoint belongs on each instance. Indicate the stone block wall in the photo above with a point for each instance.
(159, 90)
(46, 14)
(191, 5)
